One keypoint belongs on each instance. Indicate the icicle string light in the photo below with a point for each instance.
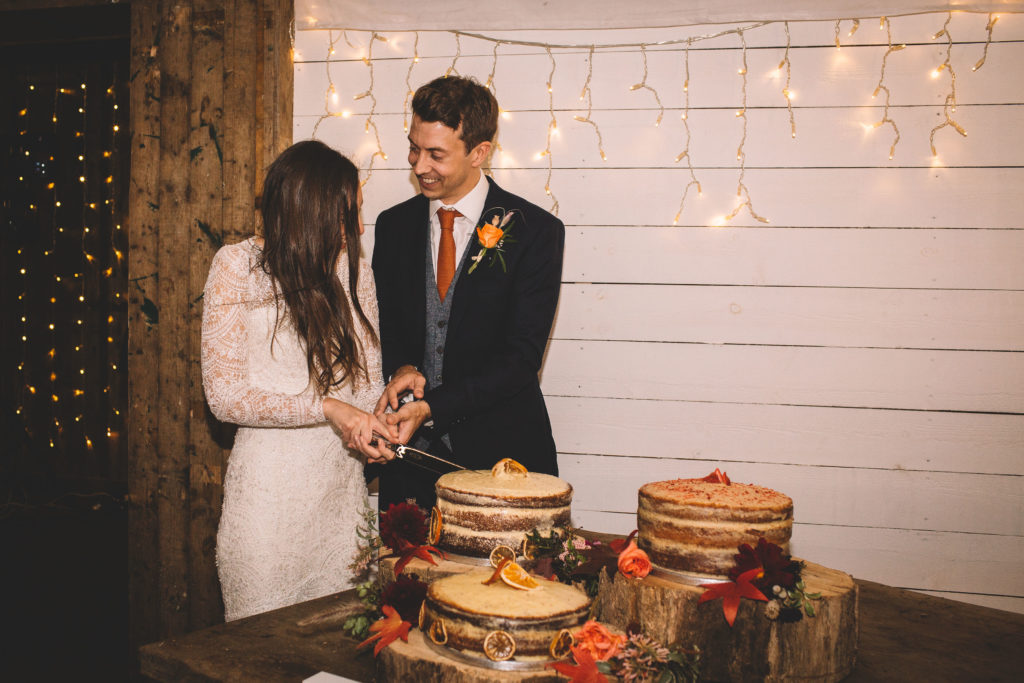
(586, 94)
(785, 63)
(836, 32)
(887, 26)
(458, 53)
(950, 103)
(992, 19)
(643, 85)
(685, 154)
(331, 94)
(370, 123)
(408, 82)
(494, 91)
(552, 128)
(741, 189)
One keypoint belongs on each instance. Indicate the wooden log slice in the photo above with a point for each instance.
(755, 648)
(417, 661)
(424, 570)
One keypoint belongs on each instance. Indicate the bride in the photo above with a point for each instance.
(290, 352)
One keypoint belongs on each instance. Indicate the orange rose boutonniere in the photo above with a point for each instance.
(493, 236)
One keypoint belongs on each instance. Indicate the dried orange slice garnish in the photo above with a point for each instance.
(517, 577)
(502, 552)
(561, 644)
(435, 526)
(499, 646)
(437, 632)
(420, 620)
(497, 572)
(507, 467)
(529, 549)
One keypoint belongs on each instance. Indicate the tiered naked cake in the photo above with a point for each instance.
(478, 510)
(691, 529)
(473, 627)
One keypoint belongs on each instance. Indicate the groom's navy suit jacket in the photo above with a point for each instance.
(489, 400)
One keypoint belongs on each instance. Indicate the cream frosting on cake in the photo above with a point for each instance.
(463, 613)
(478, 510)
(696, 526)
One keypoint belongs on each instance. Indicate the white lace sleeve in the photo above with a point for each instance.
(225, 337)
(365, 395)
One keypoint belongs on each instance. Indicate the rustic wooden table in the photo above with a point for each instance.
(904, 636)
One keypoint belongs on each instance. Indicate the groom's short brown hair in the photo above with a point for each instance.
(456, 101)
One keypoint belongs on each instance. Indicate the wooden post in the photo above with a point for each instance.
(211, 102)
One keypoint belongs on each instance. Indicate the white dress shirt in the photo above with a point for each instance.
(471, 207)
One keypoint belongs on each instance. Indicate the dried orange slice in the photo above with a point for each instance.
(561, 644)
(499, 646)
(437, 632)
(529, 549)
(507, 467)
(421, 619)
(435, 526)
(517, 577)
(502, 552)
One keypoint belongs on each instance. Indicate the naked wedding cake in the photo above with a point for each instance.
(696, 525)
(479, 510)
(499, 622)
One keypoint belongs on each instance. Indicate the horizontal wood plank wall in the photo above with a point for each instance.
(861, 352)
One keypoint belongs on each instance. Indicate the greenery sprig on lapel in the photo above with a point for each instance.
(493, 235)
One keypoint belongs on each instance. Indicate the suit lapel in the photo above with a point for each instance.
(467, 285)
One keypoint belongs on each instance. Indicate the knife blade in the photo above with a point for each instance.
(414, 456)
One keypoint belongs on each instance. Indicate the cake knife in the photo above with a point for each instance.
(414, 456)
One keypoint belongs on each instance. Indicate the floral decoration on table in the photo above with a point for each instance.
(567, 557)
(599, 655)
(389, 614)
(761, 571)
(492, 236)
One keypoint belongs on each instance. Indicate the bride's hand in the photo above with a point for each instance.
(359, 428)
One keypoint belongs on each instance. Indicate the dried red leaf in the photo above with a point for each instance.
(731, 592)
(408, 552)
(717, 477)
(619, 544)
(387, 630)
(497, 572)
(583, 671)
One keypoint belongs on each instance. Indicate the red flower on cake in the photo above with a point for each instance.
(387, 630)
(777, 567)
(599, 641)
(731, 592)
(634, 562)
(583, 671)
(403, 522)
(406, 595)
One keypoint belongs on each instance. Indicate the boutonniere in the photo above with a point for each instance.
(493, 235)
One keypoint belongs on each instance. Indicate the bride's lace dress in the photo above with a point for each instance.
(293, 493)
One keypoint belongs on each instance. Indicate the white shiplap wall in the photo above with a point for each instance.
(862, 352)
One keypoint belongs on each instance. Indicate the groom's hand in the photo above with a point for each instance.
(406, 379)
(408, 419)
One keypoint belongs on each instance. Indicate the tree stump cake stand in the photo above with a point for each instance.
(755, 648)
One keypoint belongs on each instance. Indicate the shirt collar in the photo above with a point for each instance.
(472, 205)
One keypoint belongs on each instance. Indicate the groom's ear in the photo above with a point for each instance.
(478, 154)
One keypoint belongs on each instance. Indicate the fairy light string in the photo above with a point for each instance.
(949, 105)
(370, 123)
(741, 189)
(786, 92)
(587, 95)
(552, 129)
(992, 19)
(408, 82)
(642, 85)
(886, 25)
(685, 154)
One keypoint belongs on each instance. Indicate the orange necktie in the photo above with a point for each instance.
(446, 250)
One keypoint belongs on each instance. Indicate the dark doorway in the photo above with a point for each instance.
(63, 263)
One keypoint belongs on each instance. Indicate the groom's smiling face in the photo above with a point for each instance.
(439, 160)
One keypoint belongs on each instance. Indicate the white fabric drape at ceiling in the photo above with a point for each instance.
(478, 15)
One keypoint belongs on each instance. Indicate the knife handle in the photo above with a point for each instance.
(387, 444)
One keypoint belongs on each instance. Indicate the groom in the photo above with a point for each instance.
(464, 315)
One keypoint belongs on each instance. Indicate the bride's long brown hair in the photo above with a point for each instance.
(310, 215)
